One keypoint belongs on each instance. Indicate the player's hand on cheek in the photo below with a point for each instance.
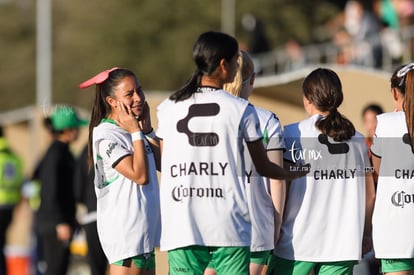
(125, 118)
(145, 119)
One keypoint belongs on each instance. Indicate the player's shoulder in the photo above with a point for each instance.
(266, 114)
(165, 103)
(291, 129)
(359, 136)
(228, 96)
(389, 117)
(108, 129)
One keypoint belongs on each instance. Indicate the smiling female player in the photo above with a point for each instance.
(124, 152)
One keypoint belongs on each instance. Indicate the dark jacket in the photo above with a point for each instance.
(55, 173)
(83, 184)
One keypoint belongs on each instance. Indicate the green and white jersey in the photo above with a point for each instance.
(203, 194)
(128, 214)
(258, 187)
(392, 219)
(325, 211)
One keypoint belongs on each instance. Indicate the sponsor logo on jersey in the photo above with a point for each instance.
(179, 193)
(199, 139)
(333, 148)
(404, 174)
(198, 169)
(111, 147)
(400, 199)
(334, 174)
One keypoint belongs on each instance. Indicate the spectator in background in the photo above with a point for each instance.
(405, 12)
(56, 216)
(369, 117)
(11, 180)
(392, 45)
(386, 11)
(364, 29)
(31, 192)
(258, 41)
(295, 57)
(390, 38)
(85, 194)
(359, 36)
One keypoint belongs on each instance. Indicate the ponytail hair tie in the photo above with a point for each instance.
(404, 70)
(333, 110)
(97, 79)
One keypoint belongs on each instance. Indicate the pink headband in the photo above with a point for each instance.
(97, 79)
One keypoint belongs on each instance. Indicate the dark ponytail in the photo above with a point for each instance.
(323, 89)
(209, 49)
(189, 88)
(336, 126)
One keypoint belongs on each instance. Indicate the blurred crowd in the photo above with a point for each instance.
(376, 34)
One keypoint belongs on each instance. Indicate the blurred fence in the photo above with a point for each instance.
(396, 48)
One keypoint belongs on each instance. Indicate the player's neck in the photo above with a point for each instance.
(211, 82)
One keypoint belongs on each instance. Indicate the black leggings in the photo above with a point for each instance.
(6, 215)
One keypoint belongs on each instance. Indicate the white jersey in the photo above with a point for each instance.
(392, 219)
(128, 214)
(325, 211)
(258, 187)
(203, 194)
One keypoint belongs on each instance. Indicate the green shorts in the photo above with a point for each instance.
(395, 265)
(144, 261)
(195, 259)
(260, 257)
(280, 266)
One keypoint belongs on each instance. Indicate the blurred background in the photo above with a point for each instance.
(154, 39)
(48, 47)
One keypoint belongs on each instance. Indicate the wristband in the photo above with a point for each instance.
(137, 136)
(151, 134)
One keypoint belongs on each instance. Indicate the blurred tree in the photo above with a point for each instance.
(153, 38)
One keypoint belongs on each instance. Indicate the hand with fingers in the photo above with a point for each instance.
(126, 119)
(144, 119)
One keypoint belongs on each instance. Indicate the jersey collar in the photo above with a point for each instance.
(109, 120)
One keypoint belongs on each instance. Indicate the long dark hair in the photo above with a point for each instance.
(403, 80)
(323, 88)
(100, 107)
(209, 49)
